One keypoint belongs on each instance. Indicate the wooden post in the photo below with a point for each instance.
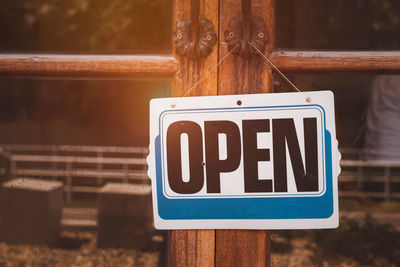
(194, 247)
(13, 168)
(239, 75)
(125, 167)
(99, 167)
(359, 180)
(69, 181)
(386, 191)
(234, 76)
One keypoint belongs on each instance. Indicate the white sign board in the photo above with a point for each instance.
(261, 161)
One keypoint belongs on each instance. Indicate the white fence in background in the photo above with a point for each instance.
(72, 164)
(84, 169)
(383, 176)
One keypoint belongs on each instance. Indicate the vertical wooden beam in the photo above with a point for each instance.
(190, 71)
(386, 190)
(194, 247)
(235, 76)
(239, 75)
(242, 248)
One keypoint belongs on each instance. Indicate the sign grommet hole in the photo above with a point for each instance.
(239, 102)
(173, 106)
(308, 99)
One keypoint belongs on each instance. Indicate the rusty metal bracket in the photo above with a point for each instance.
(244, 29)
(194, 37)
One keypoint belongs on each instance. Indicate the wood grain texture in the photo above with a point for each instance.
(88, 65)
(337, 61)
(242, 248)
(191, 71)
(194, 247)
(239, 75)
(244, 76)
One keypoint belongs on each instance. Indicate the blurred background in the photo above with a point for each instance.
(102, 113)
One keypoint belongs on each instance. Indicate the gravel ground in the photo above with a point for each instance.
(78, 248)
(75, 249)
(301, 252)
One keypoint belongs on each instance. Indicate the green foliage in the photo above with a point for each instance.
(363, 242)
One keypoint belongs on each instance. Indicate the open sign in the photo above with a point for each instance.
(266, 161)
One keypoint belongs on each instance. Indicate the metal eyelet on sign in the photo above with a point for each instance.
(308, 99)
(179, 35)
(239, 102)
(209, 37)
(231, 34)
(261, 35)
(173, 106)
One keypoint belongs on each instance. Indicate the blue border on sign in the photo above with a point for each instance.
(299, 107)
(301, 207)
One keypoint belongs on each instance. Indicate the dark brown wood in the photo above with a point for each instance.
(242, 248)
(336, 61)
(166, 65)
(194, 16)
(238, 75)
(190, 70)
(88, 65)
(194, 247)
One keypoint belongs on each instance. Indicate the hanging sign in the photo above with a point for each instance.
(261, 161)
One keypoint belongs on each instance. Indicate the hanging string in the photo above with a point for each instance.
(210, 71)
(230, 53)
(275, 67)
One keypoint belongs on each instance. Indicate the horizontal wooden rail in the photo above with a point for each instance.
(88, 65)
(105, 174)
(352, 194)
(77, 159)
(167, 65)
(369, 163)
(74, 148)
(336, 61)
(378, 179)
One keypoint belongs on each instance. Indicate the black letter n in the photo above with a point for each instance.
(284, 133)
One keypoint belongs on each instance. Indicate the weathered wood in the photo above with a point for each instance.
(369, 163)
(250, 75)
(194, 247)
(88, 65)
(166, 66)
(242, 248)
(69, 148)
(77, 159)
(336, 61)
(243, 76)
(191, 71)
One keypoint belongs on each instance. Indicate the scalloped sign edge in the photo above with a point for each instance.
(175, 208)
